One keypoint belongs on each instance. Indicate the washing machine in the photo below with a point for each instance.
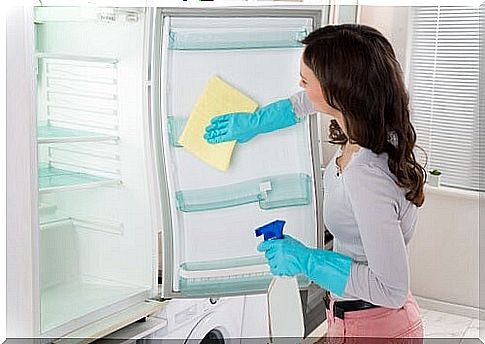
(213, 320)
(242, 319)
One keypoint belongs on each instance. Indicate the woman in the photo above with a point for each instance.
(373, 184)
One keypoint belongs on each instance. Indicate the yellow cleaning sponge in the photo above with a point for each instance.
(217, 98)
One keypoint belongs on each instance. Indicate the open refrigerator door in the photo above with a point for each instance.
(209, 216)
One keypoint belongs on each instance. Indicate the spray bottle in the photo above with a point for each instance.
(285, 311)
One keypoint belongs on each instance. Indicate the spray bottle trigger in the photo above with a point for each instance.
(272, 230)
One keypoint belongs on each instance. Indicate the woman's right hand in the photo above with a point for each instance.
(243, 126)
(237, 126)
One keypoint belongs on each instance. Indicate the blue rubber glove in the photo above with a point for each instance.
(243, 126)
(289, 257)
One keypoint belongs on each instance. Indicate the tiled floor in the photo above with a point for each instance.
(444, 325)
(438, 325)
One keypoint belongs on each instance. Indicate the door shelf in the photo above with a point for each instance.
(270, 192)
(52, 179)
(51, 134)
(235, 38)
(175, 127)
(228, 276)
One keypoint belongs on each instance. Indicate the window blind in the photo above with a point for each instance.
(443, 84)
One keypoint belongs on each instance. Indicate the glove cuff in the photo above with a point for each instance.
(274, 116)
(329, 269)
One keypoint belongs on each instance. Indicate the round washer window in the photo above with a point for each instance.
(213, 337)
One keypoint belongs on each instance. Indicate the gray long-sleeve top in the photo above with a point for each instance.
(371, 221)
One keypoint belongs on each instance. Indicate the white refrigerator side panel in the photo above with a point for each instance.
(22, 269)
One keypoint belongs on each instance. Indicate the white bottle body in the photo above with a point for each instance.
(285, 308)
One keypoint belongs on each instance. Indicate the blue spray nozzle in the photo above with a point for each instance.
(272, 230)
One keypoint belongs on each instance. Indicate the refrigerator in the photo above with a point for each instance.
(109, 218)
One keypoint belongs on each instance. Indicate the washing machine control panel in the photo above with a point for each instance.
(189, 319)
(181, 312)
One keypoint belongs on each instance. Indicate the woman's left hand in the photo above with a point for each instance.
(286, 256)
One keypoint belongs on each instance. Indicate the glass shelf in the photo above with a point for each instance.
(228, 276)
(226, 38)
(53, 179)
(270, 192)
(50, 134)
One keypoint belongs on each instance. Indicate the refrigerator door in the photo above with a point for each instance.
(97, 233)
(209, 216)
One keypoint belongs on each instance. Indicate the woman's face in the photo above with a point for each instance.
(314, 92)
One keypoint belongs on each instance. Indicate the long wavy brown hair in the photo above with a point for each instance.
(361, 77)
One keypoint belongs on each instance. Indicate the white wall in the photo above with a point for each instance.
(392, 22)
(444, 252)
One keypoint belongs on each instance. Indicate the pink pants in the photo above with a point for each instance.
(403, 325)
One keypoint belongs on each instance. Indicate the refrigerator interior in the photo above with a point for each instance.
(214, 213)
(97, 236)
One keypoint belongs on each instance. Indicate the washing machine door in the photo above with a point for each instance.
(213, 328)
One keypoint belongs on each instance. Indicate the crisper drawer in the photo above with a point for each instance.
(209, 240)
